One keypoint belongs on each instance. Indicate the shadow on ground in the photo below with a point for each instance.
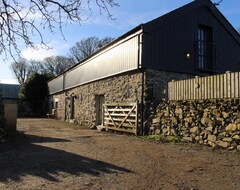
(21, 158)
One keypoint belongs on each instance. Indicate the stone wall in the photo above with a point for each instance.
(123, 88)
(209, 122)
(156, 83)
(118, 89)
(156, 90)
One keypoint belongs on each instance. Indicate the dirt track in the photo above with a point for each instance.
(57, 155)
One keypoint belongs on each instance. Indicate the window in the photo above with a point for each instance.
(205, 49)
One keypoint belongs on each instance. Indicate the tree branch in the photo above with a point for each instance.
(18, 20)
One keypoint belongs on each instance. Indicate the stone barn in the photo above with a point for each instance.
(117, 86)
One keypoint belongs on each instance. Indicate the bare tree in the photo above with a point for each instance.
(84, 48)
(51, 66)
(35, 67)
(20, 69)
(56, 64)
(88, 46)
(105, 41)
(19, 19)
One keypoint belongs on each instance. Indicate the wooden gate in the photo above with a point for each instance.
(121, 117)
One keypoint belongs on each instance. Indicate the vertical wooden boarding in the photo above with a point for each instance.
(196, 87)
(173, 91)
(184, 89)
(200, 88)
(187, 90)
(178, 94)
(182, 92)
(176, 90)
(169, 88)
(237, 85)
(192, 89)
(217, 87)
(232, 85)
(212, 87)
(228, 85)
(205, 87)
(221, 86)
(225, 86)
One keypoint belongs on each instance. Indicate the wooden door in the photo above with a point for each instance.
(71, 107)
(99, 109)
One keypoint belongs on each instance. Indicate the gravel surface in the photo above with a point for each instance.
(56, 155)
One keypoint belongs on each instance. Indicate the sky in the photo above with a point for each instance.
(129, 14)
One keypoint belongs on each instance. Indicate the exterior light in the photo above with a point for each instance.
(187, 55)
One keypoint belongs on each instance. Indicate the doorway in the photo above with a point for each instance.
(99, 109)
(71, 107)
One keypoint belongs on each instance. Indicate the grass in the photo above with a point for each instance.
(164, 138)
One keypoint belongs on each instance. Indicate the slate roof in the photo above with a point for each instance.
(9, 91)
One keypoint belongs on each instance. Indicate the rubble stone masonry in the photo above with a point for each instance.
(209, 122)
(125, 88)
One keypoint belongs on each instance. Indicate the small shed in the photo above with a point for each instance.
(9, 95)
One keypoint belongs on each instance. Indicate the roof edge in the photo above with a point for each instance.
(132, 31)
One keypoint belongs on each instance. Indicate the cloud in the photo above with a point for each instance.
(9, 81)
(39, 53)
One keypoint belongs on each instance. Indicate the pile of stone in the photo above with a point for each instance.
(208, 122)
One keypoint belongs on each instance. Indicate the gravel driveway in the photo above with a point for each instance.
(56, 155)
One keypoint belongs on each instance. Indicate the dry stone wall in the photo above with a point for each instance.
(209, 122)
(156, 90)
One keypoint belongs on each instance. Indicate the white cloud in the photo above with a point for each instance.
(9, 81)
(57, 48)
(37, 54)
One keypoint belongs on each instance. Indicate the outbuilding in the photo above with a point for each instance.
(9, 98)
(117, 87)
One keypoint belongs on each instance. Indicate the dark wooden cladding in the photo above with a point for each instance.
(165, 45)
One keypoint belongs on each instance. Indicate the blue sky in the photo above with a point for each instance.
(128, 15)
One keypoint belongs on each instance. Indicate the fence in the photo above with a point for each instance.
(121, 117)
(212, 87)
